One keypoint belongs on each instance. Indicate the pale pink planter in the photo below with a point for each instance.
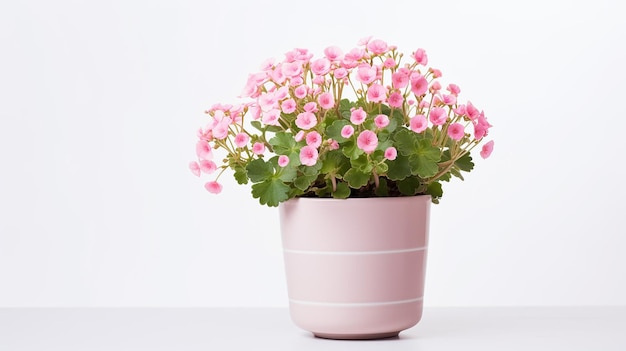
(355, 268)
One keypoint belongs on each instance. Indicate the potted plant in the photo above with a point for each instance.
(363, 140)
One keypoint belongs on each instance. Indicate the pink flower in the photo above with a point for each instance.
(456, 131)
(195, 168)
(333, 144)
(481, 126)
(418, 123)
(391, 153)
(299, 136)
(308, 155)
(207, 167)
(376, 93)
(399, 80)
(258, 148)
(283, 160)
(347, 131)
(213, 187)
(381, 121)
(203, 151)
(377, 46)
(366, 74)
(310, 107)
(460, 110)
(436, 72)
(296, 81)
(355, 54)
(306, 120)
(367, 141)
(333, 53)
(449, 99)
(301, 91)
(419, 84)
(340, 73)
(241, 139)
(271, 117)
(454, 89)
(288, 106)
(291, 69)
(470, 111)
(395, 100)
(438, 116)
(320, 66)
(326, 101)
(357, 116)
(486, 149)
(435, 86)
(319, 80)
(255, 111)
(314, 139)
(389, 62)
(420, 57)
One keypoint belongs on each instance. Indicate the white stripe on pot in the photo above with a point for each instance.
(385, 252)
(355, 304)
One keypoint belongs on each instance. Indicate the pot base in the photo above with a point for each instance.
(357, 336)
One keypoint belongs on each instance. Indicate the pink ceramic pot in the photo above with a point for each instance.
(355, 268)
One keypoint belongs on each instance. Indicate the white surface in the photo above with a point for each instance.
(485, 329)
(100, 102)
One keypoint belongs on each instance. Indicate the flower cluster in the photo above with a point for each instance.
(348, 124)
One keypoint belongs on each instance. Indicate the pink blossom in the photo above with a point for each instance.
(367, 141)
(314, 139)
(195, 168)
(299, 136)
(333, 53)
(271, 117)
(308, 155)
(381, 121)
(419, 84)
(357, 116)
(213, 187)
(326, 100)
(365, 40)
(320, 66)
(301, 91)
(355, 54)
(435, 86)
(420, 57)
(389, 62)
(486, 149)
(267, 64)
(255, 111)
(377, 46)
(399, 80)
(283, 160)
(241, 139)
(395, 100)
(310, 107)
(418, 123)
(220, 131)
(319, 80)
(347, 131)
(456, 131)
(306, 120)
(333, 144)
(438, 116)
(277, 74)
(296, 81)
(424, 103)
(203, 151)
(298, 54)
(207, 166)
(340, 73)
(258, 148)
(391, 153)
(436, 73)
(454, 89)
(376, 93)
(481, 127)
(470, 111)
(460, 110)
(366, 74)
(281, 93)
(449, 99)
(291, 69)
(288, 106)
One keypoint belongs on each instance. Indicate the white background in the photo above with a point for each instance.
(100, 102)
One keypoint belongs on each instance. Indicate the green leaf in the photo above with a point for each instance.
(351, 150)
(434, 189)
(383, 187)
(334, 161)
(287, 174)
(283, 143)
(304, 182)
(241, 175)
(399, 168)
(382, 168)
(257, 125)
(455, 172)
(356, 179)
(270, 192)
(406, 141)
(344, 107)
(259, 170)
(342, 192)
(333, 131)
(425, 161)
(409, 185)
(362, 164)
(465, 163)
